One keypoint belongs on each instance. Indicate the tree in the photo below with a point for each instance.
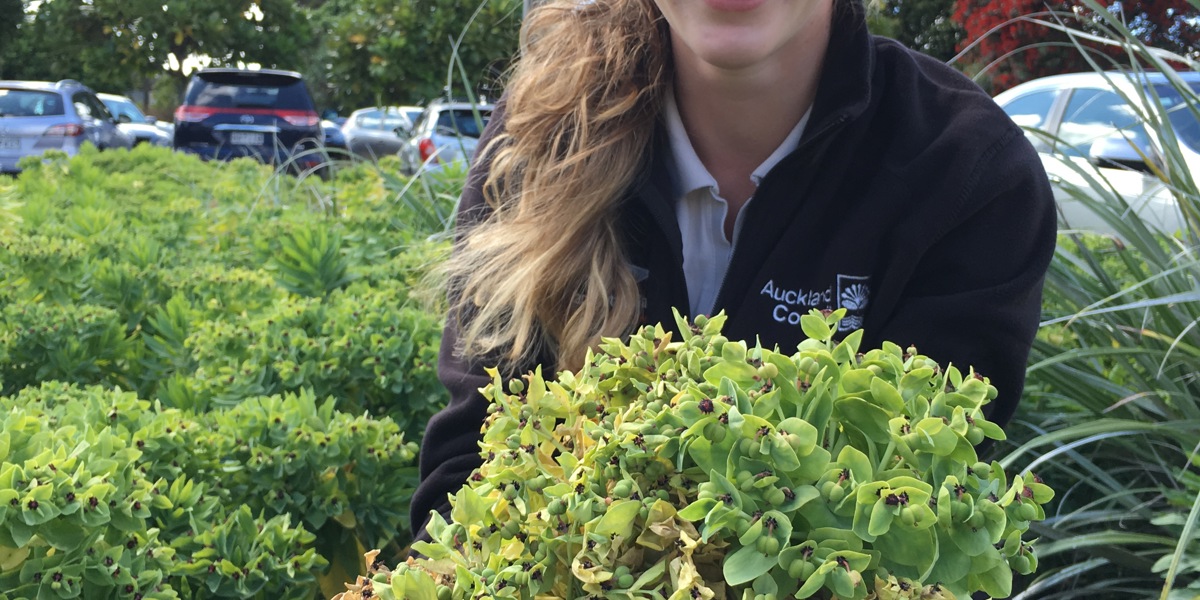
(12, 15)
(1022, 50)
(924, 25)
(122, 44)
(404, 51)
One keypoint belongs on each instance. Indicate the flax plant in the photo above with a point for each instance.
(1111, 416)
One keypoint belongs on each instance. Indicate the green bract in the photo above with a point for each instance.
(703, 468)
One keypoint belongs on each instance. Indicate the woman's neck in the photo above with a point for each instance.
(735, 118)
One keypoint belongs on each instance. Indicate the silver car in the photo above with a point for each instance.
(1091, 124)
(36, 116)
(131, 120)
(377, 131)
(446, 132)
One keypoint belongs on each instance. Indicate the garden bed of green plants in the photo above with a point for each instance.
(213, 378)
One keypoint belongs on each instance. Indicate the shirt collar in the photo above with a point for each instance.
(692, 174)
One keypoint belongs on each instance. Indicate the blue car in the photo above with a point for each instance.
(36, 116)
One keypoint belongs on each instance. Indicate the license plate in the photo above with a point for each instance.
(8, 143)
(245, 139)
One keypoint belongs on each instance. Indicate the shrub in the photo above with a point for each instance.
(110, 490)
(80, 344)
(218, 312)
(703, 468)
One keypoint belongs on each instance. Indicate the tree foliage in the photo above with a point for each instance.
(353, 53)
(1019, 49)
(121, 44)
(410, 51)
(924, 25)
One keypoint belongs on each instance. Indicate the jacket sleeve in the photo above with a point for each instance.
(974, 296)
(450, 447)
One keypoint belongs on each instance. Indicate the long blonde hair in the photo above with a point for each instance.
(545, 272)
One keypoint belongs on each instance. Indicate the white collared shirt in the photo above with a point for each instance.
(701, 210)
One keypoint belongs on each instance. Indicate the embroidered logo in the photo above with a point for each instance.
(853, 295)
(850, 292)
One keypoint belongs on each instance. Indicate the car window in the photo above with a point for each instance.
(124, 108)
(29, 103)
(1032, 112)
(377, 120)
(97, 107)
(232, 94)
(1184, 120)
(82, 107)
(462, 121)
(1093, 115)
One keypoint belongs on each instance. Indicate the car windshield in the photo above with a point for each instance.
(1184, 119)
(124, 108)
(462, 121)
(29, 103)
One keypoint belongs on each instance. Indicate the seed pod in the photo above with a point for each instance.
(836, 492)
(714, 432)
(622, 489)
(768, 545)
(768, 371)
(511, 492)
(974, 435)
(796, 569)
(1020, 563)
(776, 497)
(1027, 510)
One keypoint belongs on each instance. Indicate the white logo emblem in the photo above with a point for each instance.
(247, 119)
(853, 295)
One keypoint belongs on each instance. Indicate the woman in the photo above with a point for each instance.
(758, 157)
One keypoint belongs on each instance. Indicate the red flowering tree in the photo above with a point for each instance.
(1009, 49)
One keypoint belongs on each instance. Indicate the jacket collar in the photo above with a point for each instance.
(844, 91)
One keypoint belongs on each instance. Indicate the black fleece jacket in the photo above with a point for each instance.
(912, 201)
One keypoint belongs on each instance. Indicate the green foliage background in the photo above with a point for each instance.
(353, 54)
(234, 364)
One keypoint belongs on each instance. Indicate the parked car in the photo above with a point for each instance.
(36, 116)
(377, 131)
(335, 140)
(1081, 120)
(135, 124)
(412, 112)
(445, 132)
(264, 114)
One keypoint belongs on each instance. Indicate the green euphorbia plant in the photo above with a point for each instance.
(704, 468)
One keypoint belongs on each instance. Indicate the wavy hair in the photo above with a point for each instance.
(544, 274)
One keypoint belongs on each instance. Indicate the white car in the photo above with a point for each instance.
(1089, 123)
(135, 124)
(378, 130)
(446, 132)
